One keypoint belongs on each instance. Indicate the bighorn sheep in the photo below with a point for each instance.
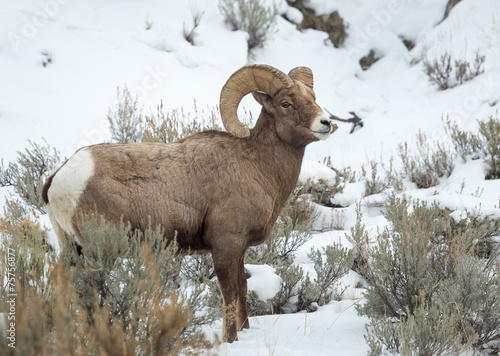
(218, 191)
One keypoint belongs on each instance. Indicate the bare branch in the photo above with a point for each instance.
(355, 120)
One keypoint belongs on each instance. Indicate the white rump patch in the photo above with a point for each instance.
(67, 187)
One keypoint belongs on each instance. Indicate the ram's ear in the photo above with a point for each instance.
(263, 99)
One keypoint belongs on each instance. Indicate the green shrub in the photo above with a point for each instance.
(428, 165)
(375, 184)
(285, 238)
(198, 270)
(482, 231)
(490, 132)
(478, 231)
(322, 191)
(291, 280)
(250, 16)
(299, 211)
(290, 232)
(425, 332)
(297, 291)
(430, 291)
(256, 306)
(336, 262)
(123, 298)
(126, 123)
(360, 241)
(465, 143)
(464, 71)
(346, 175)
(28, 174)
(115, 260)
(172, 126)
(486, 144)
(49, 323)
(214, 296)
(125, 120)
(463, 315)
(439, 72)
(198, 267)
(23, 241)
(472, 298)
(397, 272)
(55, 324)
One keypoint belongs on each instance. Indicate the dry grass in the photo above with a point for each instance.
(50, 318)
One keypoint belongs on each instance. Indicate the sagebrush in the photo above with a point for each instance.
(428, 165)
(122, 298)
(170, 126)
(439, 71)
(431, 288)
(251, 16)
(28, 173)
(125, 118)
(484, 144)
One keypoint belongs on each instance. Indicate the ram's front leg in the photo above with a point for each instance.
(227, 270)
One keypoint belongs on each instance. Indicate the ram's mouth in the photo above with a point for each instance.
(322, 135)
(332, 129)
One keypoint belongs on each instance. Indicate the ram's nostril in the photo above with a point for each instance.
(325, 122)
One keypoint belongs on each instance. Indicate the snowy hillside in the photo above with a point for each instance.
(62, 61)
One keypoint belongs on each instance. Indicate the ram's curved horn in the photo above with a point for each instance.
(257, 77)
(302, 74)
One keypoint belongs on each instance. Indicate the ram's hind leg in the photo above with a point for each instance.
(58, 230)
(241, 304)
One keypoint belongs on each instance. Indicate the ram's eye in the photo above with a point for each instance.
(285, 104)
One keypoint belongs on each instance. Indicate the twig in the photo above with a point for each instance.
(189, 36)
(355, 120)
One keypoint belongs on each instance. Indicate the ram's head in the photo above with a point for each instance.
(288, 99)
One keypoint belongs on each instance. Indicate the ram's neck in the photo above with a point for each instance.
(281, 161)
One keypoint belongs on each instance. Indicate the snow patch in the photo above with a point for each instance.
(263, 281)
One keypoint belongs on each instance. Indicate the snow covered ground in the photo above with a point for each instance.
(97, 45)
